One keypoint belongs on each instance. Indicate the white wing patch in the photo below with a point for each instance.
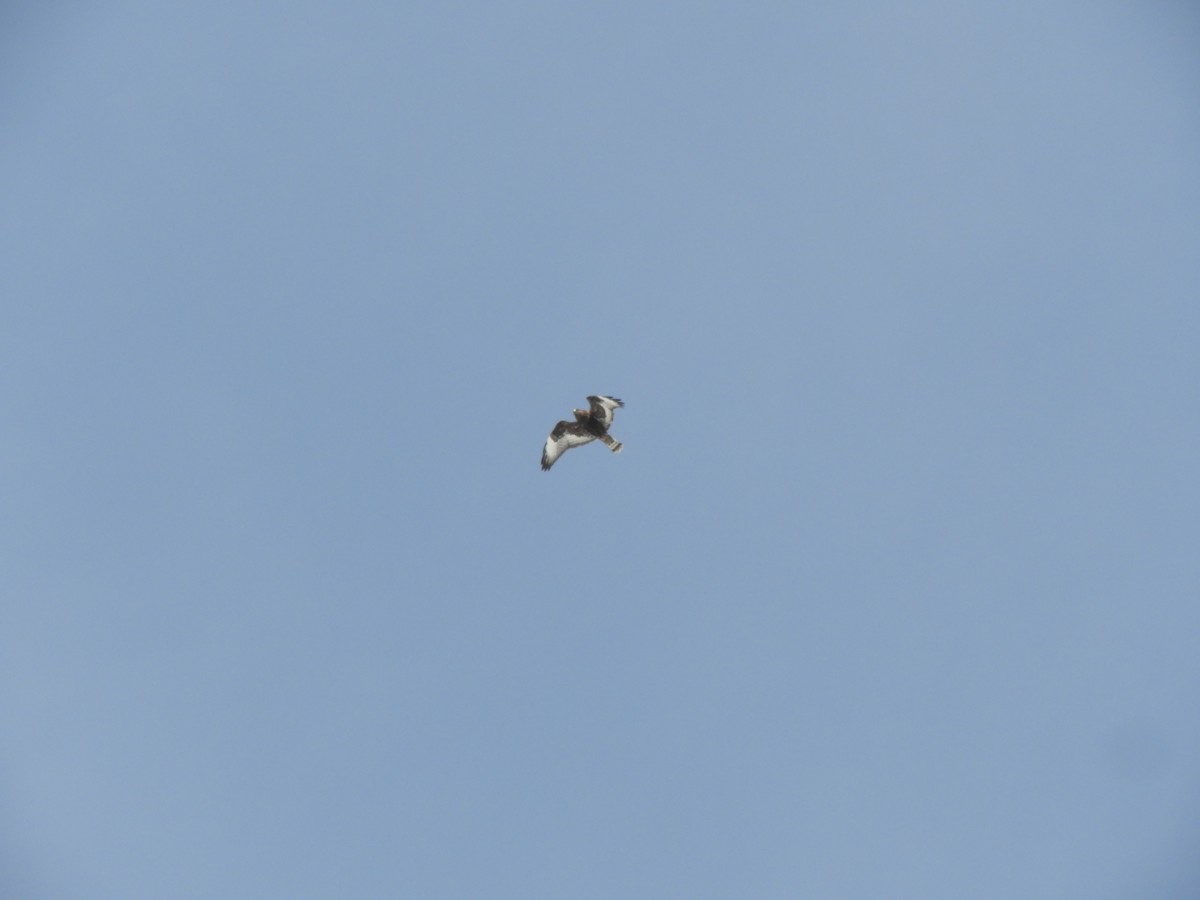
(603, 407)
(557, 446)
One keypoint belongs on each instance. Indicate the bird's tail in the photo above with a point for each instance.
(612, 444)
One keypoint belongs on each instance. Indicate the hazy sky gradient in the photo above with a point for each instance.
(893, 592)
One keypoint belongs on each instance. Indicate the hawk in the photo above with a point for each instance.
(589, 425)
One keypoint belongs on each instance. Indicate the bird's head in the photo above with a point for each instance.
(582, 414)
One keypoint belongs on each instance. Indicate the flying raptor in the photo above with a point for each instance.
(589, 425)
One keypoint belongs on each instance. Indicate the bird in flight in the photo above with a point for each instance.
(589, 425)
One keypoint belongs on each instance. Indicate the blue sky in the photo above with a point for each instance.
(893, 591)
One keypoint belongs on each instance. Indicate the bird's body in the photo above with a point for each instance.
(589, 425)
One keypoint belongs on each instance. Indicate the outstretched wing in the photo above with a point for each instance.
(602, 409)
(564, 436)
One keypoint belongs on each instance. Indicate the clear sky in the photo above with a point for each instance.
(893, 593)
